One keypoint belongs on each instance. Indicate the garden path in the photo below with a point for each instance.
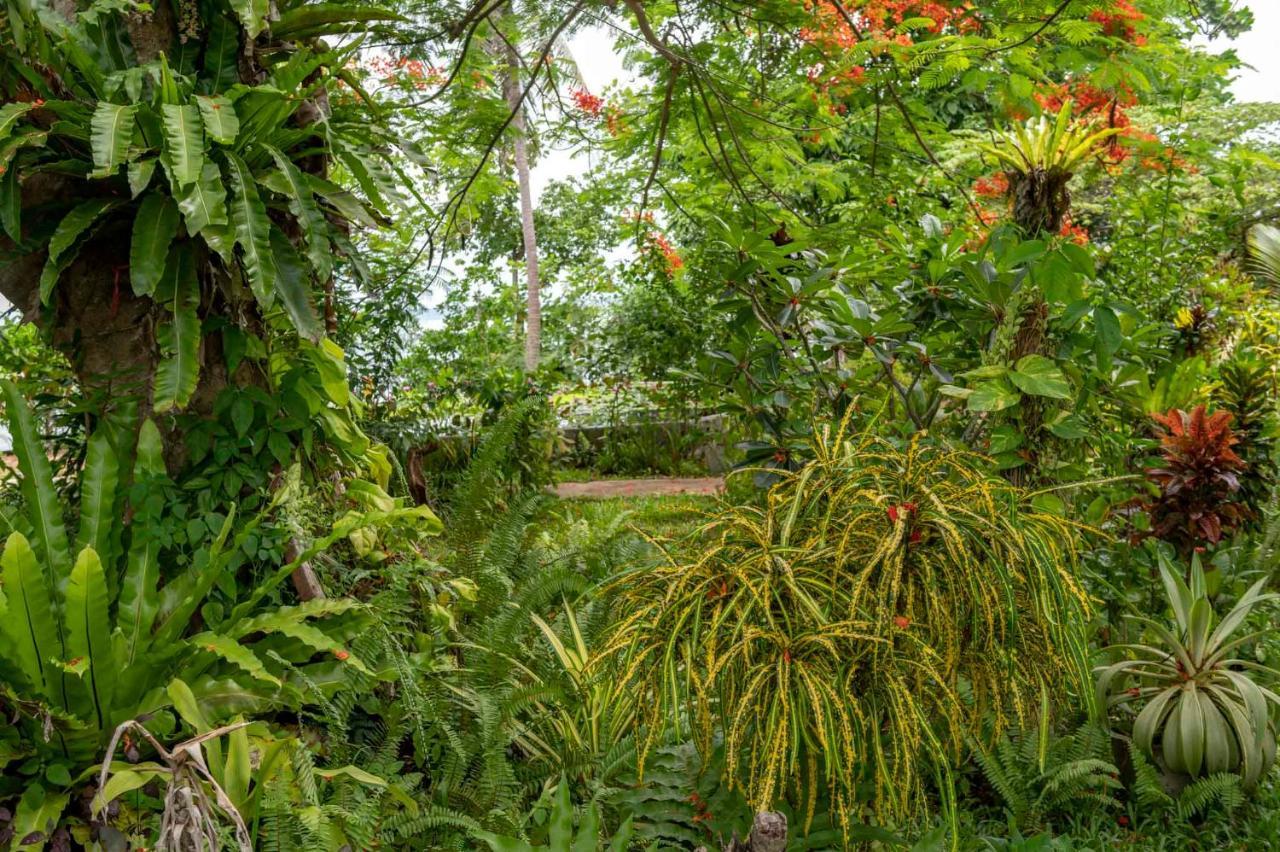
(606, 488)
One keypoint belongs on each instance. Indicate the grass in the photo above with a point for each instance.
(672, 516)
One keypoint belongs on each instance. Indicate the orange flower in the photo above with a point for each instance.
(901, 622)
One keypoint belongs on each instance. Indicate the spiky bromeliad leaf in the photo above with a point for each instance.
(203, 203)
(153, 232)
(65, 243)
(88, 629)
(179, 370)
(111, 131)
(249, 216)
(302, 204)
(183, 144)
(220, 120)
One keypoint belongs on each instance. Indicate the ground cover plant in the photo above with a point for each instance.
(964, 313)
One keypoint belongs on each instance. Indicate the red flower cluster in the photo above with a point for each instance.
(1076, 233)
(587, 103)
(1120, 21)
(413, 73)
(994, 186)
(877, 20)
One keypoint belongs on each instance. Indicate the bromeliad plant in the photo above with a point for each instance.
(97, 626)
(885, 605)
(1040, 157)
(1196, 706)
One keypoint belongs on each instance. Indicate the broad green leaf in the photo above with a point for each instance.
(1038, 376)
(233, 652)
(302, 205)
(41, 503)
(140, 173)
(238, 770)
(293, 285)
(321, 19)
(252, 14)
(179, 370)
(219, 116)
(1107, 327)
(183, 144)
(111, 131)
(88, 631)
(221, 51)
(993, 396)
(153, 231)
(64, 245)
(98, 483)
(354, 773)
(204, 202)
(560, 833)
(11, 205)
(249, 216)
(124, 781)
(344, 202)
(139, 599)
(39, 812)
(9, 115)
(192, 711)
(30, 628)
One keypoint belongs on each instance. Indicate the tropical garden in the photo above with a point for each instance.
(960, 318)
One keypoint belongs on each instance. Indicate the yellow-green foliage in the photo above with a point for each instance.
(860, 627)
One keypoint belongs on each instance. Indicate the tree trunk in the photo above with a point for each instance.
(520, 143)
(768, 834)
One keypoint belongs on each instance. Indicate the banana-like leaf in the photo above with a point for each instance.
(111, 132)
(219, 116)
(98, 483)
(302, 204)
(64, 245)
(30, 627)
(293, 285)
(204, 202)
(88, 630)
(233, 652)
(253, 231)
(179, 370)
(322, 19)
(43, 508)
(183, 144)
(252, 15)
(139, 597)
(153, 231)
(221, 49)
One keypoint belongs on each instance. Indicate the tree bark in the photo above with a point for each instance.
(520, 143)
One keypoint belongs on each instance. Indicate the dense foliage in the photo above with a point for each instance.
(975, 302)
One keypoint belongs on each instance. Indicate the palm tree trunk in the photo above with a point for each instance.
(533, 314)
